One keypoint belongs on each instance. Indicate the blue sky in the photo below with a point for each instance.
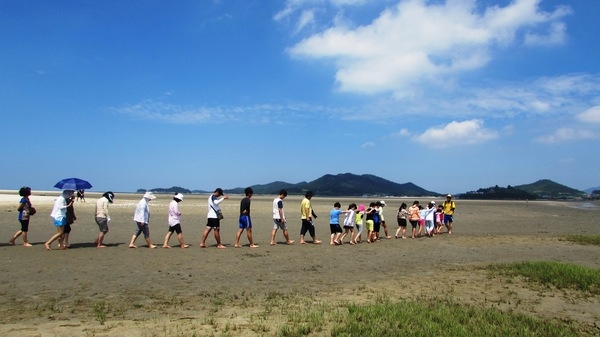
(451, 95)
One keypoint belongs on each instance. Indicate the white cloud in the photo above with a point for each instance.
(367, 145)
(307, 18)
(567, 134)
(419, 41)
(456, 133)
(591, 115)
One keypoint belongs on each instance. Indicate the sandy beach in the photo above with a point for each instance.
(118, 291)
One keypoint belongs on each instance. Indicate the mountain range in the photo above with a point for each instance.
(348, 184)
(345, 184)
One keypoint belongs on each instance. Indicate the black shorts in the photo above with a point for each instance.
(176, 229)
(335, 228)
(401, 222)
(376, 227)
(67, 228)
(24, 225)
(414, 223)
(213, 223)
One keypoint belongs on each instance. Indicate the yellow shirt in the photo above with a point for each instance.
(449, 207)
(304, 207)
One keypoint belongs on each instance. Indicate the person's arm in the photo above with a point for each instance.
(280, 210)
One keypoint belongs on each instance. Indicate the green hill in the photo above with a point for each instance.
(346, 184)
(548, 189)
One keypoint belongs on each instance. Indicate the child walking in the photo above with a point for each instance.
(349, 222)
(334, 224)
(359, 223)
(402, 222)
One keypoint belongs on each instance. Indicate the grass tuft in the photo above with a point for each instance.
(560, 275)
(441, 317)
(584, 239)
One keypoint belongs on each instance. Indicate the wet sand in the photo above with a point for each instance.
(195, 291)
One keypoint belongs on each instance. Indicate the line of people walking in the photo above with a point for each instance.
(429, 220)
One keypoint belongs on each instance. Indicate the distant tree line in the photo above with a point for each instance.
(171, 190)
(496, 192)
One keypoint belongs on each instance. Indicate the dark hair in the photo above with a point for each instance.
(309, 194)
(372, 204)
(109, 195)
(248, 191)
(352, 206)
(219, 191)
(378, 203)
(403, 206)
(337, 204)
(25, 191)
(283, 192)
(416, 202)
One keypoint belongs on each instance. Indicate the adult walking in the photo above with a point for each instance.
(59, 215)
(214, 216)
(142, 220)
(102, 218)
(174, 219)
(306, 215)
(26, 210)
(245, 219)
(449, 207)
(279, 220)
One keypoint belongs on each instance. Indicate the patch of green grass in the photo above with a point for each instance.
(440, 317)
(100, 312)
(584, 239)
(560, 275)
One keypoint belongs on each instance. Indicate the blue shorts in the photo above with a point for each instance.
(60, 223)
(447, 218)
(245, 222)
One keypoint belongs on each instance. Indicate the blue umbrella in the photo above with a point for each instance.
(73, 184)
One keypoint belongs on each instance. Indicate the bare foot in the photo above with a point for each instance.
(302, 242)
(184, 246)
(291, 242)
(316, 242)
(27, 244)
(166, 246)
(11, 243)
(152, 246)
(237, 246)
(253, 246)
(202, 245)
(132, 246)
(100, 246)
(47, 246)
(273, 243)
(221, 246)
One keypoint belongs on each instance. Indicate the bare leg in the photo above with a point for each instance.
(385, 230)
(66, 240)
(249, 234)
(237, 238)
(167, 237)
(204, 237)
(286, 235)
(100, 239)
(17, 234)
(57, 236)
(180, 239)
(131, 245)
(25, 241)
(149, 242)
(273, 232)
(218, 238)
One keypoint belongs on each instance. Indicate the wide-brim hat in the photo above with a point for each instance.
(149, 195)
(178, 196)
